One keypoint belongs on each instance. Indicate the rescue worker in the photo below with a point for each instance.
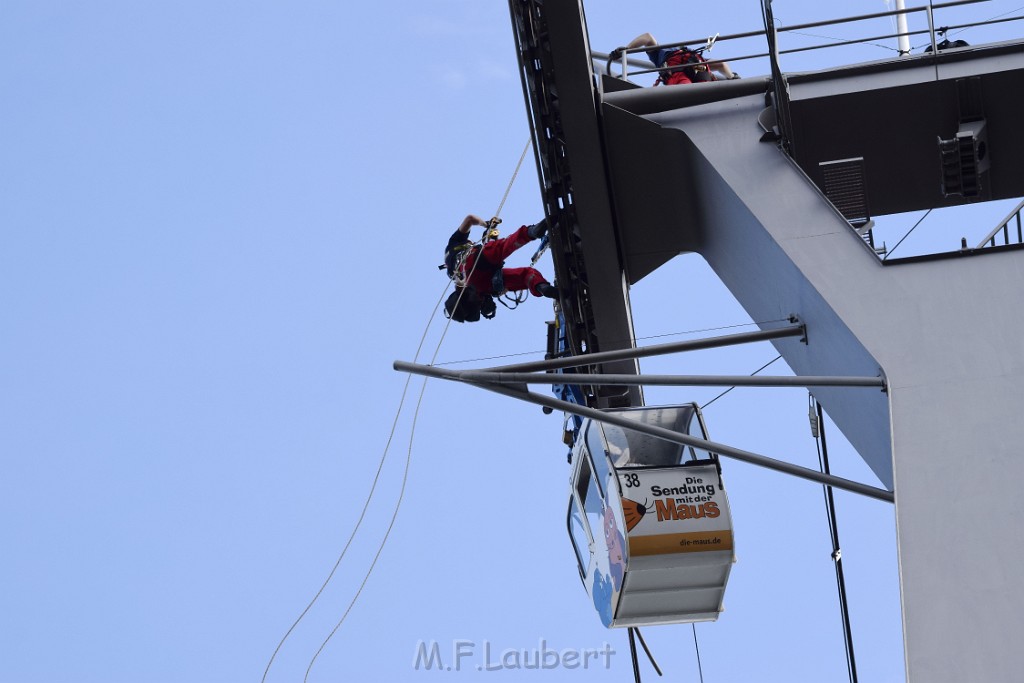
(698, 72)
(479, 272)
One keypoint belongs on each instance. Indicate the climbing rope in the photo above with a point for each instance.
(380, 466)
(391, 525)
(405, 474)
(366, 504)
(461, 279)
(512, 180)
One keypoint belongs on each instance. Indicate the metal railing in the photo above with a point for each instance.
(628, 60)
(1004, 228)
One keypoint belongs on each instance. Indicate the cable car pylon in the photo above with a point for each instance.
(745, 174)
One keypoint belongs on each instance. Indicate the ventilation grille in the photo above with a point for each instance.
(845, 187)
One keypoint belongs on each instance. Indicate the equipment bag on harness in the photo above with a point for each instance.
(463, 305)
(466, 305)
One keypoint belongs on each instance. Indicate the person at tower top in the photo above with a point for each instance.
(690, 65)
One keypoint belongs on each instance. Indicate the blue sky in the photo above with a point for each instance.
(221, 223)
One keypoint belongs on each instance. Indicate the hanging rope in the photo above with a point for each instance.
(383, 541)
(818, 431)
(512, 181)
(405, 479)
(465, 254)
(380, 467)
(366, 504)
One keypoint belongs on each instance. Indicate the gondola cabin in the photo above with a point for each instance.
(649, 520)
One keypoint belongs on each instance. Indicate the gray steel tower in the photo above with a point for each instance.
(769, 179)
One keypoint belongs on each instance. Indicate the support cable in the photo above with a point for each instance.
(818, 431)
(647, 650)
(632, 656)
(596, 357)
(696, 647)
(650, 336)
(889, 253)
(990, 20)
(731, 388)
(838, 41)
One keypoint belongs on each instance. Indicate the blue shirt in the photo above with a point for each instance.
(660, 55)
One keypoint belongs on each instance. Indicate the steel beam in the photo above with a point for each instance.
(658, 432)
(656, 350)
(593, 379)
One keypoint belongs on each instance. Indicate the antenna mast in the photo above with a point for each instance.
(901, 28)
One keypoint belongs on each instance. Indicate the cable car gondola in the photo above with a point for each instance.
(649, 520)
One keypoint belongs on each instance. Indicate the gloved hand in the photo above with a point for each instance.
(539, 229)
(734, 76)
(548, 290)
(616, 54)
(493, 223)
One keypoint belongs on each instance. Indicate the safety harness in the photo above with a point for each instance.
(466, 304)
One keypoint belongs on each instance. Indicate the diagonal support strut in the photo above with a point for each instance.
(658, 432)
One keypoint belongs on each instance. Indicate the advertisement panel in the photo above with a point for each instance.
(675, 510)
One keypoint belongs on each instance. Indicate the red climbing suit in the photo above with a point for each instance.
(494, 254)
